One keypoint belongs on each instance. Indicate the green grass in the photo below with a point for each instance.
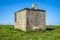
(7, 32)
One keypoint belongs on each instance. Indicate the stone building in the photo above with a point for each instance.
(27, 19)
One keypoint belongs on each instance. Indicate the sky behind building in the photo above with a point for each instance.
(9, 7)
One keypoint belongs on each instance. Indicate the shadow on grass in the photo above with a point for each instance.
(50, 29)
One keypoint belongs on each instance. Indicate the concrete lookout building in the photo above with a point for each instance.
(27, 19)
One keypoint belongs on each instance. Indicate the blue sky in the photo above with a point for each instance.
(9, 7)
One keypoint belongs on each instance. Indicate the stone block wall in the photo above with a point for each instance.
(28, 19)
(35, 19)
(21, 20)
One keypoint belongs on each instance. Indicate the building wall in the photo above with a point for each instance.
(21, 20)
(35, 18)
(27, 19)
(42, 20)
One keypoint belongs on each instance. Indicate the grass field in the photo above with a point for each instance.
(7, 32)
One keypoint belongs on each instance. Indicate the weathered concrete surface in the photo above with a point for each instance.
(21, 20)
(36, 19)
